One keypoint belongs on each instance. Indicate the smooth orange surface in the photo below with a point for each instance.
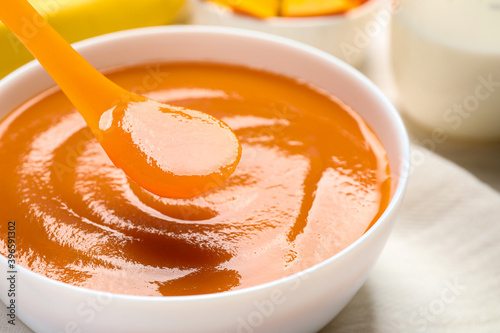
(168, 150)
(312, 179)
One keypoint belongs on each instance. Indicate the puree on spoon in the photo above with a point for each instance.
(168, 150)
(313, 178)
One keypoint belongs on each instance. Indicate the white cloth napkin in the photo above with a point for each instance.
(440, 270)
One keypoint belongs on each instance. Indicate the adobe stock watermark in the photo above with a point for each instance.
(222, 10)
(420, 318)
(263, 309)
(32, 25)
(11, 273)
(430, 312)
(281, 117)
(454, 116)
(372, 29)
(86, 312)
(152, 80)
(266, 308)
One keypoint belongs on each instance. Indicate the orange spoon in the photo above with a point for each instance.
(168, 150)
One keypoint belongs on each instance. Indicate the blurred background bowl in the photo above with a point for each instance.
(345, 36)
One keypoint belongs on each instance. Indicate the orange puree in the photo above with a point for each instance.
(312, 179)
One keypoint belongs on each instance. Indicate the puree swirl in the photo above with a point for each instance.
(312, 179)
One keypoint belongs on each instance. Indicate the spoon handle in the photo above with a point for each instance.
(81, 82)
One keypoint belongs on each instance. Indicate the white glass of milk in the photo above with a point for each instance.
(446, 60)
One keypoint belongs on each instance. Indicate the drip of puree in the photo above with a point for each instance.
(312, 179)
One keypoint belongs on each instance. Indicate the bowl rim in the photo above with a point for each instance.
(24, 72)
(294, 21)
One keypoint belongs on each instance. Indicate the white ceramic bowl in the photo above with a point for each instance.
(346, 36)
(446, 61)
(300, 303)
